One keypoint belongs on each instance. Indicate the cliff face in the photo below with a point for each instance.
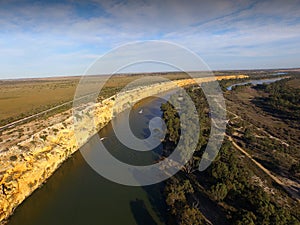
(25, 166)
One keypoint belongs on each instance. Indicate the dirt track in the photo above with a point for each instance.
(294, 194)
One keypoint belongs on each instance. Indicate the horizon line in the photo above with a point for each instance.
(139, 73)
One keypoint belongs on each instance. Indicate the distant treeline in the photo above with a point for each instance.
(282, 98)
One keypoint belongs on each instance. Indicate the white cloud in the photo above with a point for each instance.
(57, 38)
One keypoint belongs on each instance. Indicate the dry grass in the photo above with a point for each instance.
(21, 98)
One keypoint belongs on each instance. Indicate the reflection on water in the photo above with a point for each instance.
(76, 195)
(279, 73)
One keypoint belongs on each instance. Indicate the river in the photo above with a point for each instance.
(255, 82)
(76, 195)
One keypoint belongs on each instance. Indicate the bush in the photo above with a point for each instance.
(13, 158)
(219, 191)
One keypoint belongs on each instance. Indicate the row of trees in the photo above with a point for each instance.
(178, 190)
(228, 180)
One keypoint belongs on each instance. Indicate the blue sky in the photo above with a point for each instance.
(51, 38)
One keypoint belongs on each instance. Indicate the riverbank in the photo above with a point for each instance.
(237, 183)
(256, 82)
(28, 164)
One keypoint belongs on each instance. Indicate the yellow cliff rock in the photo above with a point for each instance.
(26, 166)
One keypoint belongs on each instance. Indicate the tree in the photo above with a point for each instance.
(295, 169)
(245, 218)
(220, 171)
(191, 215)
(176, 190)
(219, 191)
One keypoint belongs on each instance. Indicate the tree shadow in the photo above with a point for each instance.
(263, 104)
(140, 213)
(269, 164)
(155, 195)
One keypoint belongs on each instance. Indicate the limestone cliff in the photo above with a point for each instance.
(25, 166)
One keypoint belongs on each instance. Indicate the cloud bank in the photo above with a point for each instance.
(46, 38)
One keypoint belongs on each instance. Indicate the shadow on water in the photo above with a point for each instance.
(140, 213)
(155, 194)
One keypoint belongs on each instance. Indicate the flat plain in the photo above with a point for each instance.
(25, 97)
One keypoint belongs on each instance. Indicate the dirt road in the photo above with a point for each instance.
(293, 193)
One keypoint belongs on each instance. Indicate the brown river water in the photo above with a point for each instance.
(76, 195)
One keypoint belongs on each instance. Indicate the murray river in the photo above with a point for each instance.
(76, 195)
